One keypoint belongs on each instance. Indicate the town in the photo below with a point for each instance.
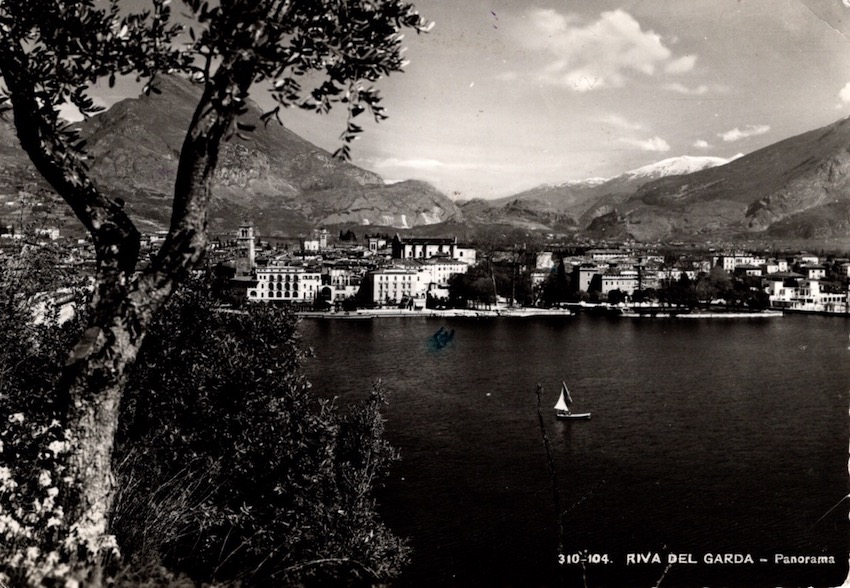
(325, 273)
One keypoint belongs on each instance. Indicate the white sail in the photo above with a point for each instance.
(565, 391)
(561, 404)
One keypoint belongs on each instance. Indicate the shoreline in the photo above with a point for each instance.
(703, 315)
(527, 313)
(453, 313)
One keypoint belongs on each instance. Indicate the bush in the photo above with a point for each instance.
(37, 546)
(231, 469)
(228, 467)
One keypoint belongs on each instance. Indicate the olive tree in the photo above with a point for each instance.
(310, 54)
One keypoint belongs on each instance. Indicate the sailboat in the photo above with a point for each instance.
(562, 407)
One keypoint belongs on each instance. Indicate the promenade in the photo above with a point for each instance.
(500, 312)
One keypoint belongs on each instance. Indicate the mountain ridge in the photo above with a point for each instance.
(283, 183)
(798, 187)
(790, 189)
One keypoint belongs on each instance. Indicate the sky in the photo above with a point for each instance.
(504, 95)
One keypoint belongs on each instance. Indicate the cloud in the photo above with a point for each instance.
(683, 89)
(701, 144)
(620, 122)
(844, 94)
(653, 144)
(586, 56)
(737, 134)
(420, 164)
(409, 163)
(683, 64)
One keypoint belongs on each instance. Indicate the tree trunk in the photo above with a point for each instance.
(99, 365)
(91, 390)
(124, 301)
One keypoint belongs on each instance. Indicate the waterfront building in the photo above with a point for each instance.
(392, 285)
(804, 258)
(438, 270)
(584, 274)
(791, 291)
(781, 287)
(538, 277)
(607, 255)
(285, 283)
(410, 279)
(339, 283)
(702, 266)
(748, 270)
(813, 272)
(730, 261)
(376, 244)
(774, 266)
(49, 233)
(318, 242)
(623, 280)
(544, 261)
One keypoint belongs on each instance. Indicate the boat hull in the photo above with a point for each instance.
(574, 416)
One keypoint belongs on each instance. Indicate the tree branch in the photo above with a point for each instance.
(115, 237)
(222, 101)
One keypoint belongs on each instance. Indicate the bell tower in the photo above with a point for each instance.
(245, 252)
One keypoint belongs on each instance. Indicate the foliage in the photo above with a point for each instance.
(743, 292)
(230, 467)
(476, 286)
(556, 287)
(37, 543)
(342, 47)
(473, 287)
(51, 54)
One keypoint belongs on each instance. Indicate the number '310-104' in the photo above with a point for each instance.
(579, 558)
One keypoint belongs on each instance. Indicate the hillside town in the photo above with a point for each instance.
(325, 272)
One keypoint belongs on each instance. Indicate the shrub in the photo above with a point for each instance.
(231, 468)
(37, 546)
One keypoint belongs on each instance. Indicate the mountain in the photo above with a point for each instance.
(676, 166)
(565, 206)
(796, 188)
(271, 175)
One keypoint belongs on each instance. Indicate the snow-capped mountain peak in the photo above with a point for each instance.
(675, 166)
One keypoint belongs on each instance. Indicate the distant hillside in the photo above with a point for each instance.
(564, 207)
(281, 181)
(796, 189)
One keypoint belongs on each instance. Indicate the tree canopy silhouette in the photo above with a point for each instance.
(309, 54)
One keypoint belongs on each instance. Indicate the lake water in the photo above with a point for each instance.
(707, 437)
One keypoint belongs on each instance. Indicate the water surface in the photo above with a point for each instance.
(715, 436)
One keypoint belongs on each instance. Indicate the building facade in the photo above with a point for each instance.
(392, 285)
(426, 248)
(285, 284)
